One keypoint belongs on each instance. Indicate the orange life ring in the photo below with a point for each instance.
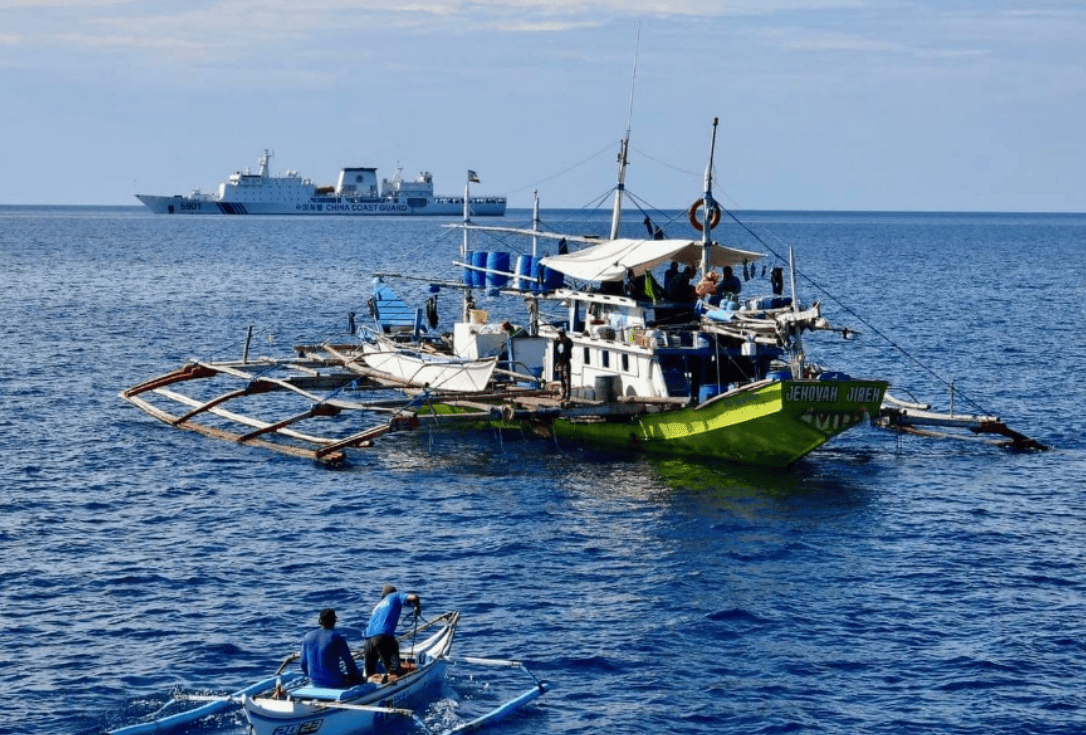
(714, 218)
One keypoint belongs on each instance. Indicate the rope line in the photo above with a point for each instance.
(597, 154)
(857, 316)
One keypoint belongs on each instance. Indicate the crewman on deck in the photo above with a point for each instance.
(729, 284)
(326, 658)
(679, 288)
(380, 634)
(563, 369)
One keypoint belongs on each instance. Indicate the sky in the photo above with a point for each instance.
(901, 105)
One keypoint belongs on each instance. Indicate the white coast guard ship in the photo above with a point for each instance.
(355, 193)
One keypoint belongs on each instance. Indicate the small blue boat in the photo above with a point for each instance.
(288, 702)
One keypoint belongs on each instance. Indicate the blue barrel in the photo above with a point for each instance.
(537, 275)
(478, 274)
(469, 275)
(553, 279)
(525, 264)
(497, 261)
(547, 279)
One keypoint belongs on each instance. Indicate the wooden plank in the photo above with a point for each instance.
(355, 439)
(239, 418)
(210, 405)
(191, 371)
(260, 379)
(317, 410)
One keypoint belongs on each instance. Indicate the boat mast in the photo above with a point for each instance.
(709, 204)
(798, 358)
(465, 312)
(623, 148)
(535, 222)
(467, 216)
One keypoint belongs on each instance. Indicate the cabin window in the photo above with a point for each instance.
(605, 358)
(625, 363)
(587, 356)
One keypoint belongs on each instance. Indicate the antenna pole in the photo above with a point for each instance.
(709, 204)
(623, 148)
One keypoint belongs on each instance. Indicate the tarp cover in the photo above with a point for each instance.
(611, 259)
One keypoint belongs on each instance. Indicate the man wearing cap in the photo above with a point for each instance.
(326, 657)
(380, 634)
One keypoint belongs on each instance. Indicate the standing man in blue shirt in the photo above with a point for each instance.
(326, 657)
(380, 634)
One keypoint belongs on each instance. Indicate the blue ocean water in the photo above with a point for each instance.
(882, 585)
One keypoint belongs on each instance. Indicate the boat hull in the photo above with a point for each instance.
(272, 717)
(324, 207)
(771, 425)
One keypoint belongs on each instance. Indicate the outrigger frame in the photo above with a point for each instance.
(918, 419)
(333, 368)
(328, 376)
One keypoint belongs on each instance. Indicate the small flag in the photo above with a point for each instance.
(473, 177)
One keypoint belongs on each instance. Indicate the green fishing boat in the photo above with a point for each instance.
(770, 424)
(607, 356)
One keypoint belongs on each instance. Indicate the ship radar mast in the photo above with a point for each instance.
(265, 159)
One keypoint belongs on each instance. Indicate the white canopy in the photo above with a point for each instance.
(611, 259)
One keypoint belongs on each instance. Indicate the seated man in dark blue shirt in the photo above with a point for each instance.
(326, 657)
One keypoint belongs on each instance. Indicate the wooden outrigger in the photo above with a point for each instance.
(254, 385)
(919, 419)
(334, 368)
